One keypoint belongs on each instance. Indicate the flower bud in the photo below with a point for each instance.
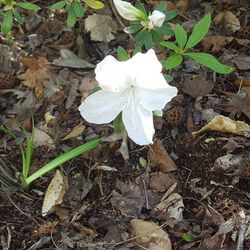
(127, 10)
(156, 19)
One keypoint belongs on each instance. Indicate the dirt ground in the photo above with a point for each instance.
(196, 187)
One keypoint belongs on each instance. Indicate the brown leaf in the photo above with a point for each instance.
(159, 158)
(229, 20)
(244, 84)
(242, 62)
(150, 235)
(214, 42)
(37, 74)
(76, 131)
(198, 86)
(236, 104)
(160, 182)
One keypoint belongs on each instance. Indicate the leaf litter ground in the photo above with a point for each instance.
(196, 188)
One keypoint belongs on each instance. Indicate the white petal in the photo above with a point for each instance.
(143, 62)
(127, 10)
(139, 124)
(111, 74)
(156, 99)
(146, 69)
(101, 107)
(157, 18)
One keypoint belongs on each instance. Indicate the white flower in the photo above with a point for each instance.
(127, 10)
(136, 88)
(156, 19)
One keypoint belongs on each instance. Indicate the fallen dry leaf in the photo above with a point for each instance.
(244, 84)
(76, 131)
(224, 124)
(88, 83)
(71, 60)
(214, 43)
(229, 20)
(41, 138)
(242, 62)
(100, 27)
(159, 158)
(198, 86)
(170, 209)
(150, 235)
(237, 103)
(37, 75)
(55, 192)
(160, 182)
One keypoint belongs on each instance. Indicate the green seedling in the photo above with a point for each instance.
(146, 35)
(185, 44)
(75, 9)
(27, 153)
(10, 13)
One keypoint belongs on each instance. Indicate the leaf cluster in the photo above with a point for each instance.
(146, 37)
(75, 9)
(183, 46)
(10, 13)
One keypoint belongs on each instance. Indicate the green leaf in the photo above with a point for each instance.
(168, 78)
(170, 15)
(199, 31)
(71, 18)
(62, 159)
(140, 37)
(188, 237)
(58, 6)
(161, 7)
(118, 124)
(180, 35)
(173, 61)
(137, 50)
(210, 62)
(96, 5)
(148, 40)
(141, 7)
(122, 54)
(27, 6)
(7, 22)
(157, 37)
(166, 29)
(170, 45)
(143, 162)
(132, 29)
(78, 9)
(17, 16)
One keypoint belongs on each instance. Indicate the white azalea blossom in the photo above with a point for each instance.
(127, 10)
(156, 19)
(136, 88)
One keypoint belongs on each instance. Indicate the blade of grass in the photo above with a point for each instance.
(62, 159)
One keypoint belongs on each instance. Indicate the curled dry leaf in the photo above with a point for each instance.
(76, 131)
(244, 84)
(159, 158)
(55, 192)
(229, 20)
(150, 235)
(215, 43)
(224, 124)
(171, 209)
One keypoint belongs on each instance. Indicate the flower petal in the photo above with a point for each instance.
(157, 18)
(127, 10)
(138, 123)
(101, 107)
(146, 69)
(156, 99)
(110, 74)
